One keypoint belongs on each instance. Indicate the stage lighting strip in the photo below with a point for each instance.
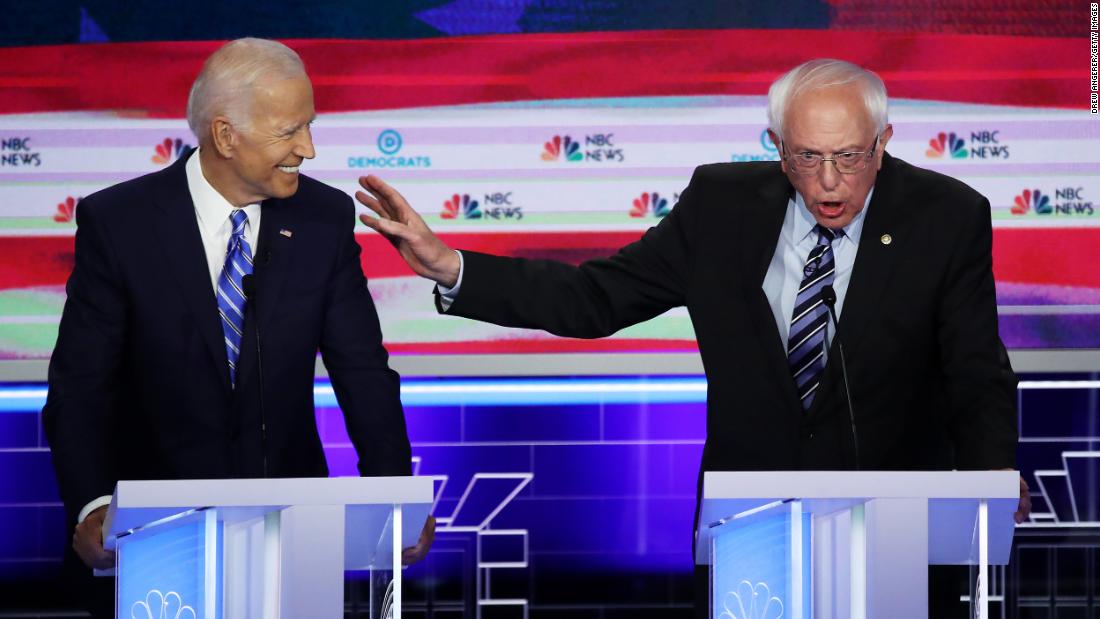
(558, 391)
(518, 392)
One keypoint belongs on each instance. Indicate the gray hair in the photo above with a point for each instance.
(824, 73)
(225, 84)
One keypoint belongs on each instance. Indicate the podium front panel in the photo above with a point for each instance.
(762, 565)
(170, 570)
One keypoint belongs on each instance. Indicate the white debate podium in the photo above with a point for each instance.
(252, 548)
(848, 544)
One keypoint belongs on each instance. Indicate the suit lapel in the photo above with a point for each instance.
(762, 225)
(177, 231)
(271, 264)
(871, 272)
(875, 258)
(276, 248)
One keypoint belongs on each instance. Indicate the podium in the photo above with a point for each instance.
(824, 544)
(270, 548)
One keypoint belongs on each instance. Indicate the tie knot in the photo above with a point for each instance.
(239, 218)
(827, 235)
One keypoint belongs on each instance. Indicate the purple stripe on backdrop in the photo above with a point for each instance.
(552, 171)
(965, 170)
(560, 171)
(1079, 128)
(102, 137)
(1075, 129)
(1068, 129)
(1062, 331)
(1040, 294)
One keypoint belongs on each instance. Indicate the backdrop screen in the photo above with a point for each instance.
(562, 130)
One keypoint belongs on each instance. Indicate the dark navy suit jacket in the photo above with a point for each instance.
(139, 380)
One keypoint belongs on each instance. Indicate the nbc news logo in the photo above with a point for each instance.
(1067, 201)
(598, 147)
(983, 145)
(498, 205)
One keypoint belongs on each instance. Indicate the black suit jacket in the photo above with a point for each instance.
(139, 380)
(930, 379)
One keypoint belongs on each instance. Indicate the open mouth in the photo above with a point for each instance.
(831, 208)
(288, 169)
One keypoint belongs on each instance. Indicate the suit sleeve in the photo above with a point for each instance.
(80, 412)
(980, 383)
(594, 299)
(369, 392)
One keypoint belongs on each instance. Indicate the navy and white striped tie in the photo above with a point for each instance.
(806, 344)
(231, 297)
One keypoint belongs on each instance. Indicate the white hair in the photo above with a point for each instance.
(225, 84)
(825, 73)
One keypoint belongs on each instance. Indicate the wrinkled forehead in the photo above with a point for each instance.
(281, 99)
(834, 118)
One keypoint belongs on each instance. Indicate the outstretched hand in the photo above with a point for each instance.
(423, 251)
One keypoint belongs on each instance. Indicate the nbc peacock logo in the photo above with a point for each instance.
(946, 144)
(157, 605)
(559, 147)
(650, 203)
(66, 210)
(1032, 200)
(751, 601)
(169, 150)
(460, 207)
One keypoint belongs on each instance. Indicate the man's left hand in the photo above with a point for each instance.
(420, 550)
(1024, 509)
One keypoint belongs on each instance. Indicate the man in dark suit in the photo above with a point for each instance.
(184, 276)
(753, 250)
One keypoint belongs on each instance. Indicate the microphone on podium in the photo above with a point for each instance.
(248, 284)
(828, 296)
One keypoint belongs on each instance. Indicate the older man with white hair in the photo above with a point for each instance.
(756, 252)
(184, 276)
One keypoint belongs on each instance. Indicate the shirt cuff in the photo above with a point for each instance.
(447, 296)
(92, 506)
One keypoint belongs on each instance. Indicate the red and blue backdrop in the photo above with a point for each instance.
(563, 129)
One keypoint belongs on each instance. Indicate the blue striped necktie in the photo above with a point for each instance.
(806, 343)
(231, 298)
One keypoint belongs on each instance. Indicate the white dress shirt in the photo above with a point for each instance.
(796, 239)
(212, 211)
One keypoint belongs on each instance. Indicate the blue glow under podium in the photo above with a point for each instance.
(823, 544)
(270, 548)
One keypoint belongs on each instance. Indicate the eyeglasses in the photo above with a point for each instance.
(850, 162)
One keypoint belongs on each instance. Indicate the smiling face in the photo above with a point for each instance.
(825, 122)
(261, 160)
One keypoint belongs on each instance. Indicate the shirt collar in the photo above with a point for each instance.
(804, 222)
(211, 208)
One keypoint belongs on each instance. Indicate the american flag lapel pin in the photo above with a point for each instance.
(286, 233)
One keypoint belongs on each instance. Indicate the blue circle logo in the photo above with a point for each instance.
(389, 142)
(766, 142)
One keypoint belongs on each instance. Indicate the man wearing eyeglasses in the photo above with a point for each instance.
(756, 252)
